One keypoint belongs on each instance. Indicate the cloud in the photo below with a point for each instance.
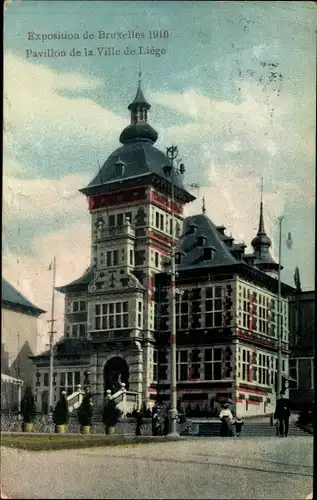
(43, 197)
(71, 246)
(47, 127)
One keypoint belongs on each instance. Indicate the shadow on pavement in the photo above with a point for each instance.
(209, 464)
(257, 460)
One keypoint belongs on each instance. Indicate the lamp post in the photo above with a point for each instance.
(279, 314)
(170, 171)
(51, 342)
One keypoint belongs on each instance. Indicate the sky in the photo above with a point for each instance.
(231, 83)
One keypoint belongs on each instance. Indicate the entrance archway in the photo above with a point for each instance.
(115, 371)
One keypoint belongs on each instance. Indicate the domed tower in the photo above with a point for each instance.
(131, 236)
(261, 244)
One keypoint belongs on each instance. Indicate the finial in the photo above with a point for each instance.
(101, 179)
(204, 206)
(140, 74)
(262, 189)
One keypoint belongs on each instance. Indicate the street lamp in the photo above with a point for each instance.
(170, 171)
(279, 314)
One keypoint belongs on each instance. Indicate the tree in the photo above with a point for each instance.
(61, 412)
(28, 410)
(111, 414)
(85, 410)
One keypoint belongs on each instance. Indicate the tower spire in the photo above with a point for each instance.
(261, 221)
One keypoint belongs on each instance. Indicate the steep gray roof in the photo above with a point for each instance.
(141, 158)
(11, 297)
(193, 253)
(85, 279)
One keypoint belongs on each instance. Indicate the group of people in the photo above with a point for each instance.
(230, 425)
(160, 423)
(281, 415)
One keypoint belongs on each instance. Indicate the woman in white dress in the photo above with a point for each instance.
(226, 419)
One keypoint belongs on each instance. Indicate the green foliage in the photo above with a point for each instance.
(61, 412)
(85, 411)
(28, 410)
(254, 397)
(111, 414)
(38, 442)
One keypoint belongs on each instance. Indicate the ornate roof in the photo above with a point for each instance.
(261, 244)
(139, 155)
(201, 226)
(140, 158)
(200, 233)
(12, 298)
(84, 280)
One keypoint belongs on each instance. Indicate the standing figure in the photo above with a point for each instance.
(226, 419)
(282, 414)
(139, 423)
(166, 425)
(238, 423)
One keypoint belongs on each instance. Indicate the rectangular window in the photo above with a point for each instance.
(46, 379)
(212, 364)
(171, 226)
(155, 366)
(77, 378)
(293, 372)
(131, 257)
(115, 258)
(109, 261)
(156, 259)
(161, 222)
(182, 365)
(120, 220)
(69, 379)
(112, 220)
(162, 365)
(128, 216)
(79, 306)
(111, 316)
(157, 220)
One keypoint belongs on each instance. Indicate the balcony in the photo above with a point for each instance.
(115, 232)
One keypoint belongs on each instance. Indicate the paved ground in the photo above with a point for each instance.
(263, 468)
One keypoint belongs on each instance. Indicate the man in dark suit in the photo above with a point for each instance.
(282, 413)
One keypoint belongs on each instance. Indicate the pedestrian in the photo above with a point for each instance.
(226, 419)
(282, 414)
(238, 423)
(139, 423)
(166, 425)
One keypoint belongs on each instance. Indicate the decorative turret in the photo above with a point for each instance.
(139, 129)
(261, 244)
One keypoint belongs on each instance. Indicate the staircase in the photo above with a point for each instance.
(75, 399)
(125, 400)
(251, 428)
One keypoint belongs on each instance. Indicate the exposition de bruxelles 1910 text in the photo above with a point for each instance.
(128, 50)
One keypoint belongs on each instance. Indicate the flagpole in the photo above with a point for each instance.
(279, 314)
(52, 321)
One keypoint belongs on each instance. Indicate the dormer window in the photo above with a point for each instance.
(120, 168)
(221, 230)
(208, 253)
(201, 240)
(179, 256)
(192, 229)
